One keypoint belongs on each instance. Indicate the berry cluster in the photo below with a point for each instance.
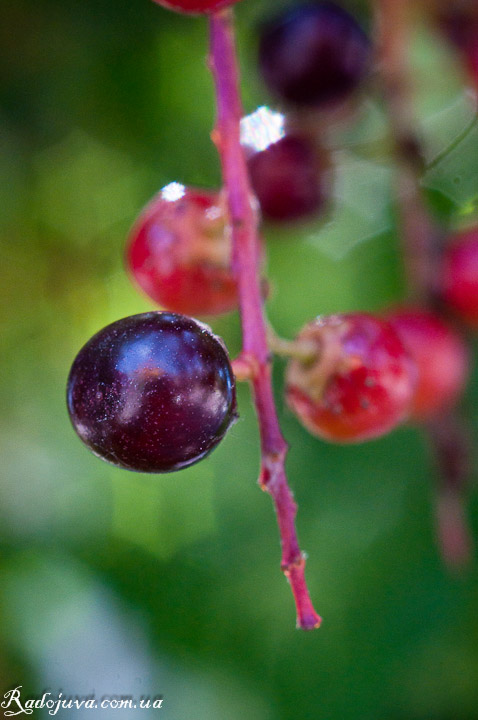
(156, 392)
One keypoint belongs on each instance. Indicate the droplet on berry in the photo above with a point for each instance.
(289, 178)
(179, 252)
(195, 7)
(441, 358)
(313, 54)
(360, 385)
(459, 277)
(152, 392)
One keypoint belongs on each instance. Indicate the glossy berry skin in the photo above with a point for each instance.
(361, 383)
(195, 7)
(289, 179)
(179, 253)
(440, 355)
(152, 393)
(313, 54)
(459, 276)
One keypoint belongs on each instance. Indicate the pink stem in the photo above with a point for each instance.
(246, 253)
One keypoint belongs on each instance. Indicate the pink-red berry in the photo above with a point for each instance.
(441, 357)
(458, 21)
(195, 7)
(359, 385)
(179, 252)
(459, 277)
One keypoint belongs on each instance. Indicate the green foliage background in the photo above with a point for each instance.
(116, 583)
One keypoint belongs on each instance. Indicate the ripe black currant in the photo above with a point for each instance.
(153, 392)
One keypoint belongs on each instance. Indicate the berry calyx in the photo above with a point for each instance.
(359, 386)
(195, 7)
(313, 54)
(441, 358)
(459, 276)
(179, 252)
(152, 393)
(289, 179)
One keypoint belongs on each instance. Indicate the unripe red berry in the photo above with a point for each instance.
(361, 383)
(289, 178)
(440, 355)
(459, 277)
(195, 7)
(179, 252)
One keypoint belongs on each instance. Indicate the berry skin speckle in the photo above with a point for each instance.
(152, 393)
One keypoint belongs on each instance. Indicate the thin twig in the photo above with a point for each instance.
(244, 221)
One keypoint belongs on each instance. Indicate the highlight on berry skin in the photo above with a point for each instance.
(330, 51)
(361, 383)
(441, 356)
(458, 285)
(195, 7)
(152, 393)
(179, 252)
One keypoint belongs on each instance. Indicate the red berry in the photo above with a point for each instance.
(179, 252)
(361, 383)
(289, 178)
(152, 392)
(440, 355)
(195, 7)
(459, 279)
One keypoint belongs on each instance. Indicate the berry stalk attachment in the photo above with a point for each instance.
(244, 222)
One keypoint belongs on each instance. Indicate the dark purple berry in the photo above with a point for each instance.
(313, 54)
(289, 179)
(152, 392)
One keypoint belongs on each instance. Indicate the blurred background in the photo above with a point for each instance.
(115, 583)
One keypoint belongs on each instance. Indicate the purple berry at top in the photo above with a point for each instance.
(313, 54)
(152, 392)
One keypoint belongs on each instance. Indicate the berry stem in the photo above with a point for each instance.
(422, 248)
(244, 224)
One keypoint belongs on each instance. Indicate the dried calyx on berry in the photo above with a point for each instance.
(152, 393)
(441, 356)
(313, 54)
(359, 385)
(179, 252)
